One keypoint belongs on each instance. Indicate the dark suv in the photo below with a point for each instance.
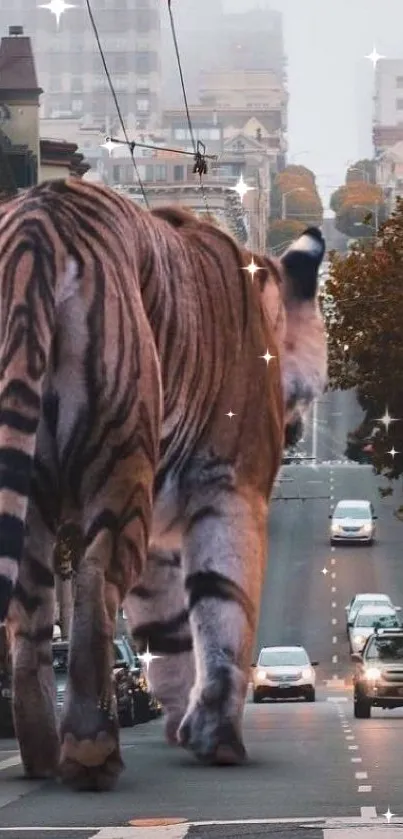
(378, 679)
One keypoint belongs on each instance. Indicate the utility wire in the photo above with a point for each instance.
(200, 166)
(119, 112)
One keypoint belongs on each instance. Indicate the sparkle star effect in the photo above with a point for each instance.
(109, 145)
(148, 657)
(230, 414)
(57, 7)
(388, 815)
(252, 268)
(392, 452)
(374, 56)
(324, 571)
(267, 357)
(242, 188)
(386, 419)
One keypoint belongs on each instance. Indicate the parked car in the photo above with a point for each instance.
(134, 700)
(366, 599)
(146, 705)
(367, 619)
(283, 672)
(6, 716)
(378, 680)
(352, 521)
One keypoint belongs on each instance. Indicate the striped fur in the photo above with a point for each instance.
(126, 339)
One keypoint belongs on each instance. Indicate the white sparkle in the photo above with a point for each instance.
(267, 357)
(392, 451)
(374, 56)
(57, 7)
(230, 414)
(242, 188)
(324, 571)
(148, 657)
(109, 145)
(388, 815)
(252, 268)
(386, 419)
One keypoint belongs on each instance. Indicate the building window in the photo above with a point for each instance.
(76, 84)
(55, 84)
(149, 172)
(181, 134)
(77, 106)
(143, 105)
(120, 82)
(145, 62)
(118, 62)
(399, 81)
(178, 173)
(146, 20)
(399, 104)
(160, 172)
(116, 174)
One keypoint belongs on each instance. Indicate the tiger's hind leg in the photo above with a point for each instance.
(159, 620)
(31, 618)
(116, 536)
(224, 553)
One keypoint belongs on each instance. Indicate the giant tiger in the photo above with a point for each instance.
(138, 399)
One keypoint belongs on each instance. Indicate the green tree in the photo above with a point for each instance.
(364, 317)
(362, 170)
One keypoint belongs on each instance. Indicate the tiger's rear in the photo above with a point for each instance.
(80, 408)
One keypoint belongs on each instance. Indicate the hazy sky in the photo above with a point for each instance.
(330, 82)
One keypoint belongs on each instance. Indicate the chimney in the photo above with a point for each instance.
(15, 31)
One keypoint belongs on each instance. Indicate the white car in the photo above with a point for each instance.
(366, 620)
(352, 521)
(283, 672)
(367, 599)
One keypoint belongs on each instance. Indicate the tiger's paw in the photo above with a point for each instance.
(210, 731)
(90, 764)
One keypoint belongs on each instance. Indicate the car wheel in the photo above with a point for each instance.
(362, 707)
(128, 718)
(310, 695)
(257, 697)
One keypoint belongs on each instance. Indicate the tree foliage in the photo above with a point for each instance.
(362, 170)
(364, 316)
(302, 198)
(281, 233)
(355, 201)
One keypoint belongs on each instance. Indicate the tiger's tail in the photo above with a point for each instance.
(29, 265)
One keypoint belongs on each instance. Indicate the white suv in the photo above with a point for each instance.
(283, 672)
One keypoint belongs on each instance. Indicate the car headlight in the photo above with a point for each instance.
(367, 528)
(359, 640)
(261, 675)
(307, 673)
(372, 674)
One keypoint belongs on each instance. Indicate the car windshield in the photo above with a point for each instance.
(283, 658)
(343, 512)
(60, 659)
(360, 603)
(387, 621)
(385, 649)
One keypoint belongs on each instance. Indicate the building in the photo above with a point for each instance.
(388, 104)
(69, 65)
(210, 38)
(25, 158)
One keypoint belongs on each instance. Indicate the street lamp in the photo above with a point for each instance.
(375, 208)
(284, 196)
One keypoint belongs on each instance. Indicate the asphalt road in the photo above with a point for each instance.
(312, 764)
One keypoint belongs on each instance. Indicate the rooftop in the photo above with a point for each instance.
(17, 66)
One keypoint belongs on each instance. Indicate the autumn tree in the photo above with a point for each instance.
(364, 317)
(294, 193)
(280, 234)
(362, 170)
(353, 203)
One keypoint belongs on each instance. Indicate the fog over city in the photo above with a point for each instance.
(330, 82)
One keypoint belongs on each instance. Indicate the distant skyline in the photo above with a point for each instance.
(330, 82)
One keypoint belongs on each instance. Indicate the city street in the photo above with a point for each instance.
(312, 764)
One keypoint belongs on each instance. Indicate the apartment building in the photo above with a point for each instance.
(69, 65)
(388, 104)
